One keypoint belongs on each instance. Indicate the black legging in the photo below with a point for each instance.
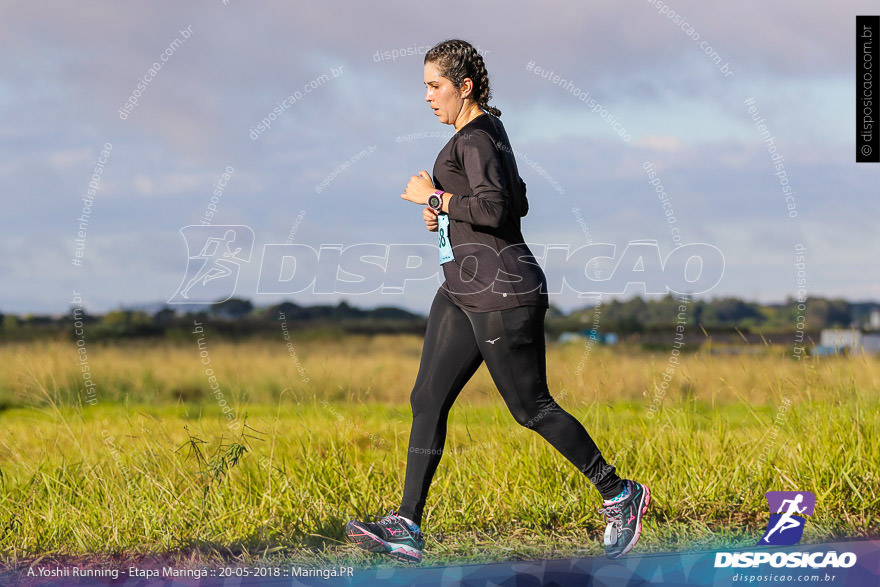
(511, 342)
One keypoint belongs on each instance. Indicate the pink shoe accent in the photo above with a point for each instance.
(638, 531)
(406, 554)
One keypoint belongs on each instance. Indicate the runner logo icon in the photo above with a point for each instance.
(787, 516)
(214, 256)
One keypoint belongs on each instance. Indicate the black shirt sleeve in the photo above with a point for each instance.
(487, 203)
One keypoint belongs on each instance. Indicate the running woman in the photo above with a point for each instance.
(490, 308)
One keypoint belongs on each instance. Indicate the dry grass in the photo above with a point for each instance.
(155, 468)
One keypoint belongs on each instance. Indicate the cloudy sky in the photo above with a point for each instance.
(638, 81)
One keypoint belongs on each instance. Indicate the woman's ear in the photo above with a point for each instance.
(467, 88)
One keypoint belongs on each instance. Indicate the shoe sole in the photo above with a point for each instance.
(368, 541)
(646, 499)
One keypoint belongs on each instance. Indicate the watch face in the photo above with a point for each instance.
(434, 201)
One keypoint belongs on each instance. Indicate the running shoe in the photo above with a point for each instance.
(391, 535)
(624, 518)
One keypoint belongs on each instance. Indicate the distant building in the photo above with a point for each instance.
(874, 320)
(837, 340)
(608, 338)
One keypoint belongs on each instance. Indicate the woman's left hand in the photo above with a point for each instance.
(419, 188)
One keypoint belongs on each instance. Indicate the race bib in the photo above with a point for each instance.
(443, 238)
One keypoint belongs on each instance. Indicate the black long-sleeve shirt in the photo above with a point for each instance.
(493, 268)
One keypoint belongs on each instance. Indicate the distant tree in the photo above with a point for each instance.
(318, 312)
(554, 312)
(126, 318)
(391, 313)
(730, 311)
(629, 324)
(232, 308)
(697, 309)
(624, 316)
(290, 310)
(164, 316)
(114, 317)
(10, 322)
(824, 313)
(660, 313)
(344, 310)
(34, 319)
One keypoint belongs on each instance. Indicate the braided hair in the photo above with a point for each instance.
(458, 60)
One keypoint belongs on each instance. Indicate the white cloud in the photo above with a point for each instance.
(67, 71)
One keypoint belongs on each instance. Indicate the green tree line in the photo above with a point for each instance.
(238, 317)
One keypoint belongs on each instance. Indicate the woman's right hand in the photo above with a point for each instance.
(430, 216)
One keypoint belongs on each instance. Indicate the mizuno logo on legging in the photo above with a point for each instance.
(493, 341)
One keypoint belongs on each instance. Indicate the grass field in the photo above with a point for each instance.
(319, 434)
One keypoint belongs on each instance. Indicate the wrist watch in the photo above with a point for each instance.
(435, 200)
